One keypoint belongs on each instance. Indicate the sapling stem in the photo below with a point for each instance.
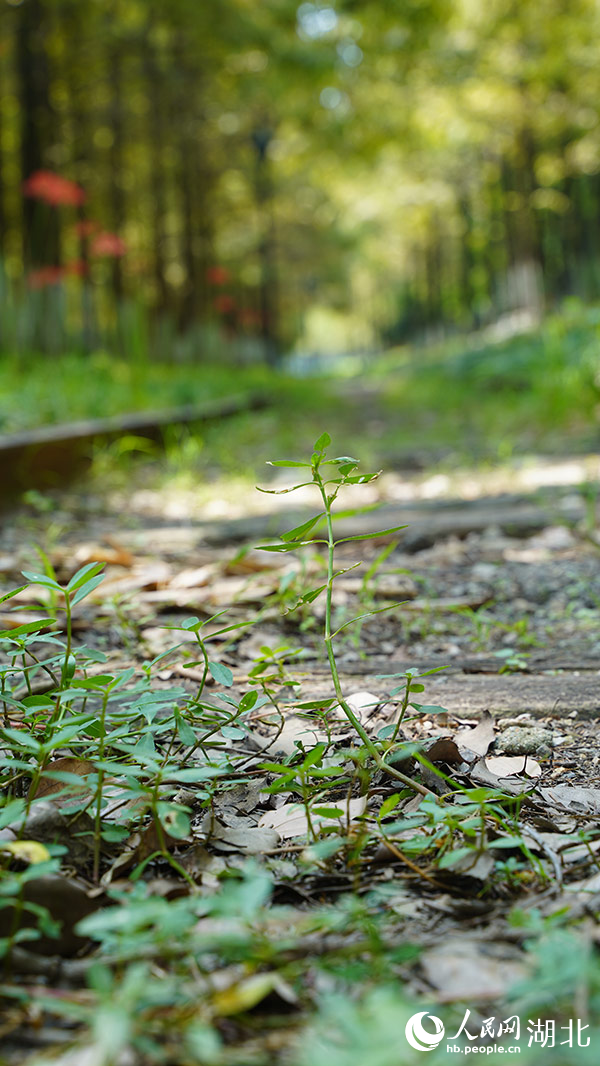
(328, 638)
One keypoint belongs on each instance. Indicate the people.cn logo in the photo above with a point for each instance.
(418, 1037)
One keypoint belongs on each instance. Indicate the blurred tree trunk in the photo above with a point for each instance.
(467, 261)
(41, 233)
(155, 87)
(75, 75)
(193, 184)
(116, 152)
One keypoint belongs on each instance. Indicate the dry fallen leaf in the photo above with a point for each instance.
(464, 970)
(509, 765)
(69, 786)
(576, 798)
(98, 553)
(362, 704)
(477, 740)
(68, 902)
(443, 750)
(254, 840)
(290, 820)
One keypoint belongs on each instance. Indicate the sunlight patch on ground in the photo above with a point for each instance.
(233, 497)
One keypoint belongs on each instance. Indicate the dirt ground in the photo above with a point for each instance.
(499, 591)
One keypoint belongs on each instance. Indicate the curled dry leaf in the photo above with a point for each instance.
(443, 750)
(479, 739)
(509, 765)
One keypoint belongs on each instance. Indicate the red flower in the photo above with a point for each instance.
(224, 304)
(217, 275)
(48, 275)
(53, 189)
(108, 244)
(85, 228)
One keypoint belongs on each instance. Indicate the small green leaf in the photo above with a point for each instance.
(372, 536)
(84, 590)
(248, 701)
(507, 842)
(98, 681)
(452, 857)
(285, 462)
(327, 771)
(232, 732)
(300, 531)
(328, 812)
(185, 733)
(80, 578)
(292, 546)
(310, 597)
(222, 674)
(313, 705)
(428, 708)
(323, 849)
(314, 756)
(41, 579)
(323, 442)
(174, 819)
(388, 805)
(27, 627)
(347, 459)
(14, 592)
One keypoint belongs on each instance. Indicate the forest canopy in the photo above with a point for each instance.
(247, 165)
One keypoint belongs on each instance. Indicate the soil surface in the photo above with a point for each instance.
(499, 593)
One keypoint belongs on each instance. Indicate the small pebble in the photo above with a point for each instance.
(523, 740)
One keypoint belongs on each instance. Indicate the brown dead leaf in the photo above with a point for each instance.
(99, 553)
(61, 788)
(444, 750)
(142, 576)
(253, 561)
(477, 740)
(68, 902)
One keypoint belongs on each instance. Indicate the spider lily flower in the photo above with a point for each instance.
(107, 244)
(53, 189)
